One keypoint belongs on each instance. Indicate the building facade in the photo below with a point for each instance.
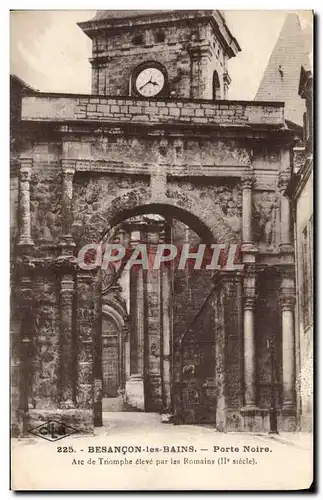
(300, 191)
(155, 154)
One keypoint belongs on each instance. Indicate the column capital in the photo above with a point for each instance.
(67, 283)
(196, 50)
(68, 166)
(85, 276)
(249, 301)
(25, 173)
(247, 180)
(287, 301)
(66, 263)
(287, 272)
(252, 269)
(25, 163)
(283, 181)
(224, 275)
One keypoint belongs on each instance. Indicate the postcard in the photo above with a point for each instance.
(161, 193)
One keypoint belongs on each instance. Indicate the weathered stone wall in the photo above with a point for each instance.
(221, 200)
(117, 146)
(135, 110)
(93, 192)
(185, 43)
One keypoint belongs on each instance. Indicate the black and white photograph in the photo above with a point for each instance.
(161, 250)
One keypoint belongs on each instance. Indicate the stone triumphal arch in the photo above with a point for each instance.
(182, 166)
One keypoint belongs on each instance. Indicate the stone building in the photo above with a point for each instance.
(155, 153)
(300, 191)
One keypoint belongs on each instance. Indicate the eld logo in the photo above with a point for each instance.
(53, 430)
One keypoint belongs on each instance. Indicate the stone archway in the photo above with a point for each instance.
(154, 369)
(184, 206)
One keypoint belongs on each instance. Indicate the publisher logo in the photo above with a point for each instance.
(53, 430)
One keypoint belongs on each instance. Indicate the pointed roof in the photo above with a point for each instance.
(281, 77)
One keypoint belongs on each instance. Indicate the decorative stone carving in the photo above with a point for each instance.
(67, 375)
(90, 197)
(24, 201)
(265, 210)
(46, 206)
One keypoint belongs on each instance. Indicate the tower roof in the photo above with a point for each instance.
(281, 77)
(123, 14)
(112, 19)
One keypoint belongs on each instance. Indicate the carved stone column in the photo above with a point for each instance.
(97, 348)
(24, 202)
(135, 385)
(25, 309)
(247, 236)
(249, 302)
(84, 339)
(249, 291)
(67, 348)
(286, 245)
(287, 304)
(167, 334)
(68, 170)
(66, 264)
(25, 304)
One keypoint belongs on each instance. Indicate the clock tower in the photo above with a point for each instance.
(165, 53)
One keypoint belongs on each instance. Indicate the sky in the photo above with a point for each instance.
(50, 52)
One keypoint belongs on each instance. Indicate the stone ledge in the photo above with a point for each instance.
(55, 107)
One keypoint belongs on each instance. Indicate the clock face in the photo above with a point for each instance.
(150, 82)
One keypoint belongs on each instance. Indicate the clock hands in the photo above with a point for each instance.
(149, 81)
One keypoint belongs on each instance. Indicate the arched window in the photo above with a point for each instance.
(216, 86)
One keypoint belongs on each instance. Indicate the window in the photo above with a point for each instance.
(306, 278)
(138, 39)
(160, 37)
(216, 86)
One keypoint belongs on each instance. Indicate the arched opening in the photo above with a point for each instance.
(168, 212)
(216, 86)
(139, 364)
(112, 355)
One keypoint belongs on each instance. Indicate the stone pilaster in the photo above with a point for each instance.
(286, 242)
(166, 301)
(286, 245)
(66, 240)
(201, 82)
(24, 202)
(26, 319)
(84, 339)
(135, 385)
(97, 348)
(287, 304)
(248, 247)
(67, 348)
(67, 288)
(249, 302)
(249, 293)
